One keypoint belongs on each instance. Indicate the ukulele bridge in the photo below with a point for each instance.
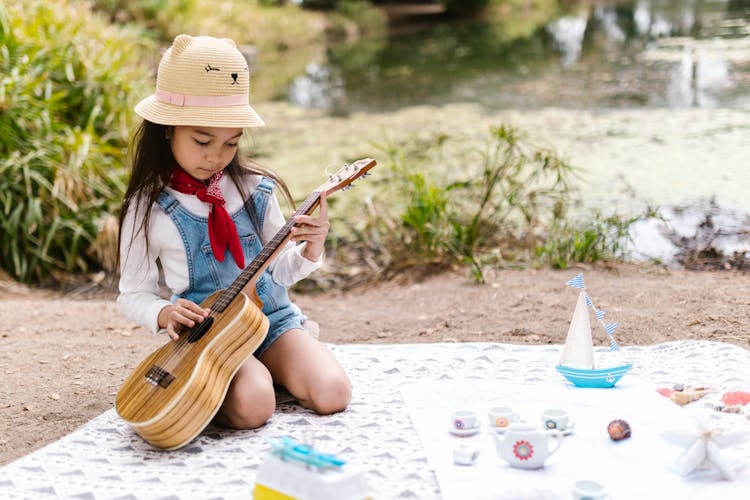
(159, 376)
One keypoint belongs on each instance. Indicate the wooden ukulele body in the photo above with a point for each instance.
(176, 391)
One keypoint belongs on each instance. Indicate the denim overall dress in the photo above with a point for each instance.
(207, 275)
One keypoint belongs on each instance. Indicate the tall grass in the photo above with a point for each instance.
(600, 237)
(445, 203)
(69, 81)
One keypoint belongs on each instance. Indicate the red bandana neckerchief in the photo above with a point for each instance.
(221, 229)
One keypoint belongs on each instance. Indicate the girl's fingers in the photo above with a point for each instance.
(307, 221)
(171, 332)
(302, 231)
(184, 313)
(191, 309)
(191, 316)
(323, 214)
(312, 230)
(188, 304)
(184, 318)
(321, 220)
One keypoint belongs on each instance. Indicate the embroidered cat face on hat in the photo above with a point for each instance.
(202, 81)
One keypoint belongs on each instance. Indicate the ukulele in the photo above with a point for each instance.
(174, 393)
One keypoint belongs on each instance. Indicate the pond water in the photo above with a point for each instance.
(672, 53)
(651, 96)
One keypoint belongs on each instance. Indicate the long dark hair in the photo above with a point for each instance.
(153, 162)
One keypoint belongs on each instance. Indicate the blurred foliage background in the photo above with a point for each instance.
(69, 81)
(71, 71)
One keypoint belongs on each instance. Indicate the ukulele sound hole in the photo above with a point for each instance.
(200, 330)
(159, 376)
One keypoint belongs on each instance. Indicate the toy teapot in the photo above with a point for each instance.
(527, 446)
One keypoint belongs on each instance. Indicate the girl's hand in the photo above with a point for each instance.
(182, 313)
(313, 230)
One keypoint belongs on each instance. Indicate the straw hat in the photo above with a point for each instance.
(202, 81)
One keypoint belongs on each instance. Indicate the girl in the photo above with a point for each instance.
(196, 209)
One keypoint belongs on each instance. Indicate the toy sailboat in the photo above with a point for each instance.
(577, 359)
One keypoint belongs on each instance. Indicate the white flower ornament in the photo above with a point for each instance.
(706, 442)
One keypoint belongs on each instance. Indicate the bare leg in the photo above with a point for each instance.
(250, 399)
(309, 371)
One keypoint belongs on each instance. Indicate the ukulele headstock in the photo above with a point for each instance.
(346, 175)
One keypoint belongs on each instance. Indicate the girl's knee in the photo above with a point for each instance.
(249, 405)
(252, 411)
(331, 394)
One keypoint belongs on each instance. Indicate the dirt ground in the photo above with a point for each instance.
(64, 357)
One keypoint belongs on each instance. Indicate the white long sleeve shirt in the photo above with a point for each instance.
(139, 298)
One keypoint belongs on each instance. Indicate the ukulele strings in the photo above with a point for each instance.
(183, 344)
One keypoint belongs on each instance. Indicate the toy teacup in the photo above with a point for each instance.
(501, 417)
(554, 418)
(586, 489)
(463, 420)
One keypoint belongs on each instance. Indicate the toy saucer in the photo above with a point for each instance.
(499, 430)
(465, 432)
(567, 431)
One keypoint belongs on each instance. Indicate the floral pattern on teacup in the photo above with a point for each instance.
(550, 424)
(502, 422)
(459, 424)
(523, 450)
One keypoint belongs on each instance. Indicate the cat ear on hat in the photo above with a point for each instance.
(180, 43)
(230, 42)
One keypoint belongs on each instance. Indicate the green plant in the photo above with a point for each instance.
(598, 238)
(353, 19)
(448, 202)
(446, 205)
(155, 15)
(69, 81)
(519, 190)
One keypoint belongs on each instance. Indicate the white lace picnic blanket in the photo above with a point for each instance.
(105, 459)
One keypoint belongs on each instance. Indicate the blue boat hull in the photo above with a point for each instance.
(603, 378)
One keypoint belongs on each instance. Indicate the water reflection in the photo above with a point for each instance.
(567, 36)
(685, 231)
(321, 87)
(607, 17)
(642, 18)
(673, 53)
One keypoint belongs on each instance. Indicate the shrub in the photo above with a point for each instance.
(446, 202)
(479, 206)
(599, 238)
(270, 26)
(69, 81)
